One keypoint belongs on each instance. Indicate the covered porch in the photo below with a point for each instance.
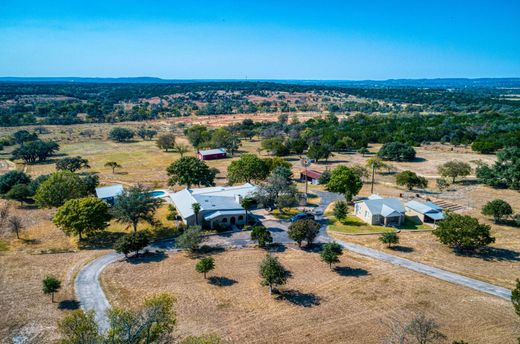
(226, 217)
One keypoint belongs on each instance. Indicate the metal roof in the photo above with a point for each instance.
(217, 198)
(386, 207)
(424, 207)
(311, 173)
(109, 191)
(216, 214)
(213, 151)
(435, 216)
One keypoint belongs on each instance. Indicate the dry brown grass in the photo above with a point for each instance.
(500, 265)
(26, 312)
(351, 308)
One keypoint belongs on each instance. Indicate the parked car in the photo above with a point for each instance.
(302, 216)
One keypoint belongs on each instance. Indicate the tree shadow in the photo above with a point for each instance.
(208, 250)
(100, 240)
(346, 271)
(68, 305)
(300, 299)
(492, 254)
(31, 241)
(276, 248)
(418, 159)
(313, 248)
(403, 249)
(221, 281)
(148, 257)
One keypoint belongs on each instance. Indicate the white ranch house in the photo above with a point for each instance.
(218, 204)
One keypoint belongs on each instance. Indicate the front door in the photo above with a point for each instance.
(233, 220)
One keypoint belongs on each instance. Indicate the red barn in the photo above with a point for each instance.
(212, 154)
(313, 177)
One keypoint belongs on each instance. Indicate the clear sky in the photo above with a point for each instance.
(265, 39)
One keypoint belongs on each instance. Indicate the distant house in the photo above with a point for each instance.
(313, 177)
(377, 210)
(212, 154)
(109, 193)
(426, 212)
(217, 204)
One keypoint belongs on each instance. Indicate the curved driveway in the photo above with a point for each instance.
(92, 297)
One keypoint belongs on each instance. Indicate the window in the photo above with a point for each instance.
(224, 220)
(240, 218)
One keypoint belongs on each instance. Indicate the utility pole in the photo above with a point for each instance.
(373, 173)
(305, 162)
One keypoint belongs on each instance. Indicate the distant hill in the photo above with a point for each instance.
(423, 83)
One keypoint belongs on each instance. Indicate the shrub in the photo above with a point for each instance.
(120, 134)
(205, 265)
(132, 242)
(463, 232)
(389, 238)
(340, 210)
(262, 235)
(498, 209)
(397, 151)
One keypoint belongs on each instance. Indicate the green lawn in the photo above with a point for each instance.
(286, 214)
(354, 225)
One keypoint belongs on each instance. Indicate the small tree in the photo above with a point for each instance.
(463, 232)
(190, 171)
(196, 210)
(166, 141)
(273, 273)
(82, 216)
(396, 151)
(262, 235)
(498, 209)
(331, 252)
(72, 164)
(389, 238)
(304, 230)
(15, 224)
(146, 133)
(410, 180)
(442, 184)
(363, 151)
(19, 192)
(343, 180)
(424, 330)
(181, 149)
(515, 297)
(59, 188)
(79, 327)
(50, 285)
(113, 165)
(205, 265)
(132, 242)
(247, 203)
(340, 210)
(12, 178)
(134, 205)
(453, 169)
(151, 323)
(120, 134)
(191, 239)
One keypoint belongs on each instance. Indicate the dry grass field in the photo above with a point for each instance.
(354, 304)
(500, 265)
(27, 315)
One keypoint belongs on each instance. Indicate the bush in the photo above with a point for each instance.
(331, 252)
(205, 265)
(58, 188)
(397, 151)
(120, 134)
(463, 232)
(262, 235)
(340, 210)
(389, 238)
(410, 180)
(191, 239)
(12, 178)
(304, 230)
(498, 209)
(132, 242)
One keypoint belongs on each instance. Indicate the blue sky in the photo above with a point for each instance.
(265, 40)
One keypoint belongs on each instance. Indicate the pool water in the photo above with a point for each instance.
(158, 193)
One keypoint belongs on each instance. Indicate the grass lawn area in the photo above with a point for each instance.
(354, 225)
(286, 213)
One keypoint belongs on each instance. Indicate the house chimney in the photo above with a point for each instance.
(238, 198)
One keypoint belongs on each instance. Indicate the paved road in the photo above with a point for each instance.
(89, 291)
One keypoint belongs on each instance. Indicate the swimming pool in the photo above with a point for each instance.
(158, 193)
